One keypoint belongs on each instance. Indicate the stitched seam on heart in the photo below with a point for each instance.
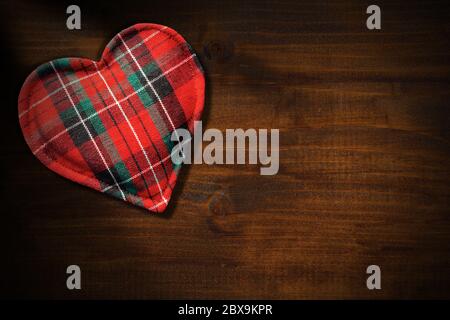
(92, 182)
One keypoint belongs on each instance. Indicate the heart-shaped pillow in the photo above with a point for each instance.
(108, 124)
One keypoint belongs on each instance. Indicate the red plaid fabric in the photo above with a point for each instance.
(107, 124)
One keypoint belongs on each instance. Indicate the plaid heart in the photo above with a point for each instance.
(107, 124)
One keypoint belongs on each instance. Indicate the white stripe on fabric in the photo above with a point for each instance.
(134, 132)
(87, 130)
(151, 86)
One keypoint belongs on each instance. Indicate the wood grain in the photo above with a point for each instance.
(364, 175)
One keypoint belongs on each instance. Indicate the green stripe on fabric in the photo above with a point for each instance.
(62, 63)
(150, 68)
(44, 70)
(145, 98)
(86, 108)
(124, 174)
(68, 115)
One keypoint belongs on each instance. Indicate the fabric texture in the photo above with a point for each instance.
(108, 124)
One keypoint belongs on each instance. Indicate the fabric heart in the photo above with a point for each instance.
(108, 124)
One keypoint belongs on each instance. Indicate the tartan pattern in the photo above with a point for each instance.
(107, 124)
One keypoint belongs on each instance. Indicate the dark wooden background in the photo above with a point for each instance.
(365, 151)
